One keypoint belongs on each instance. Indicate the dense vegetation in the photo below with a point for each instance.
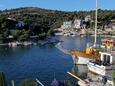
(4, 82)
(41, 22)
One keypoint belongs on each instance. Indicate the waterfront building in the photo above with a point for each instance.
(12, 19)
(87, 18)
(66, 24)
(78, 23)
(20, 24)
(113, 24)
(15, 24)
(109, 26)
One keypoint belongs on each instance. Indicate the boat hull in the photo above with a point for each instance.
(100, 70)
(80, 60)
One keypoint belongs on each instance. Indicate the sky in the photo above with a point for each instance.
(64, 5)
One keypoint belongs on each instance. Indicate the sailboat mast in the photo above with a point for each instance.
(95, 39)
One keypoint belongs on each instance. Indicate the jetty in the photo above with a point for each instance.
(61, 48)
(4, 44)
(91, 80)
(84, 83)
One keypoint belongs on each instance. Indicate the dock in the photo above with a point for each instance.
(83, 82)
(5, 44)
(91, 80)
(61, 48)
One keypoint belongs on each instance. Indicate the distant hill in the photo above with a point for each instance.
(37, 16)
(41, 22)
(53, 18)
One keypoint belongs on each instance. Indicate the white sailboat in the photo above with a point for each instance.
(83, 57)
(106, 62)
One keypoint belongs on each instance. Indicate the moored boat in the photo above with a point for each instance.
(91, 52)
(104, 66)
(83, 57)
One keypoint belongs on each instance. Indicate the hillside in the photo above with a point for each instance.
(36, 16)
(41, 22)
(53, 18)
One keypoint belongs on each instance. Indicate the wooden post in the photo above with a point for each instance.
(76, 77)
(13, 83)
(39, 82)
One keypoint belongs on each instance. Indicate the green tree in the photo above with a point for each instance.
(3, 81)
(51, 33)
(16, 34)
(3, 38)
(21, 35)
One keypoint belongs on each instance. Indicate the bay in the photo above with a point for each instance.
(42, 62)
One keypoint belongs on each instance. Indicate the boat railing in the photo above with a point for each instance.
(98, 62)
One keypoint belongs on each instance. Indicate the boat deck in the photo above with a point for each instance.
(94, 55)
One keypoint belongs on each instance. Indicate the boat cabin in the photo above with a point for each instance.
(106, 58)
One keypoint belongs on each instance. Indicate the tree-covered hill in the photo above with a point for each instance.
(53, 18)
(42, 21)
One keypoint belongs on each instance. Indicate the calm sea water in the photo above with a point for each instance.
(42, 62)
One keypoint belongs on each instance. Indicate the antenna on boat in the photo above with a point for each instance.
(95, 39)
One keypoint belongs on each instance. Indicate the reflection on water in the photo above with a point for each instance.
(78, 42)
(80, 70)
(34, 62)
